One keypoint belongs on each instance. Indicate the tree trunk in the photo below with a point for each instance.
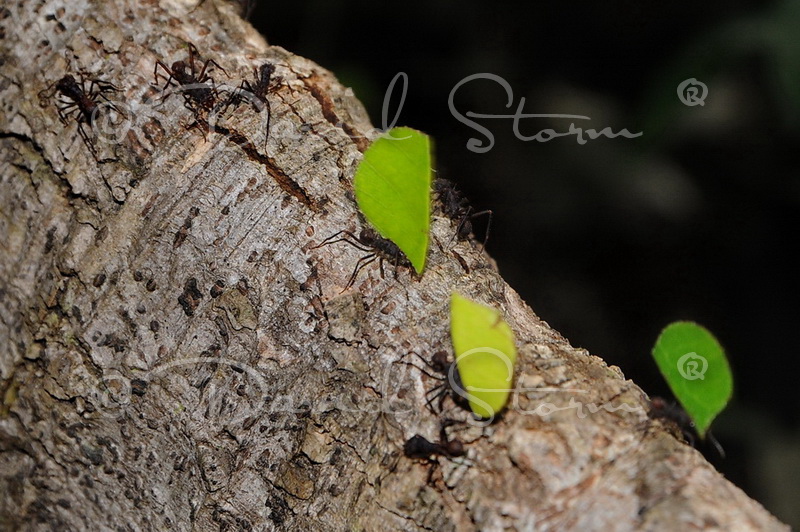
(176, 351)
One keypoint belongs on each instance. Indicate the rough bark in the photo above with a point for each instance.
(176, 353)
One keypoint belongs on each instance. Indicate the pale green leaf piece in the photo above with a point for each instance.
(393, 190)
(485, 355)
(696, 369)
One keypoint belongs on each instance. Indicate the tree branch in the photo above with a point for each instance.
(178, 353)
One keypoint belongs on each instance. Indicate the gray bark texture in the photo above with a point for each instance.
(177, 353)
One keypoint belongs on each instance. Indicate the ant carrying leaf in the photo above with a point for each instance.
(680, 419)
(447, 373)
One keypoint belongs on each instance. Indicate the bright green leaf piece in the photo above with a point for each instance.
(696, 369)
(485, 355)
(393, 190)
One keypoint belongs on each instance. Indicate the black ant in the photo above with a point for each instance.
(81, 104)
(263, 84)
(440, 363)
(456, 206)
(419, 447)
(199, 94)
(661, 409)
(371, 242)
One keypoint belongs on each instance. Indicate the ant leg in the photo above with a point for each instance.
(66, 110)
(716, 444)
(166, 69)
(83, 77)
(211, 61)
(47, 93)
(255, 76)
(428, 364)
(201, 77)
(269, 119)
(236, 96)
(396, 269)
(199, 123)
(380, 265)
(87, 141)
(488, 224)
(688, 436)
(437, 392)
(446, 422)
(460, 227)
(349, 237)
(105, 86)
(363, 261)
(434, 466)
(192, 52)
(97, 87)
(275, 84)
(113, 105)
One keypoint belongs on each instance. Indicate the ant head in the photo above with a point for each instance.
(65, 82)
(658, 404)
(266, 70)
(367, 236)
(57, 86)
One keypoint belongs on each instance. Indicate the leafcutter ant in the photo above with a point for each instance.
(456, 207)
(257, 91)
(677, 416)
(81, 104)
(370, 242)
(451, 380)
(199, 91)
(419, 447)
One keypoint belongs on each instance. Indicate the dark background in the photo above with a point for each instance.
(612, 240)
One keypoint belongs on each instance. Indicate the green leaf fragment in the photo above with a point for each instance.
(485, 355)
(393, 189)
(696, 369)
